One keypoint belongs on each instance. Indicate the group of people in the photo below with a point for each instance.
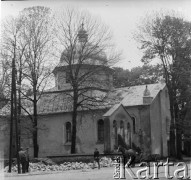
(24, 159)
(130, 154)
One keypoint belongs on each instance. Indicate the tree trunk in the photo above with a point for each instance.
(175, 133)
(178, 132)
(16, 130)
(73, 145)
(35, 143)
(74, 117)
(35, 125)
(19, 106)
(172, 124)
(179, 144)
(15, 109)
(11, 124)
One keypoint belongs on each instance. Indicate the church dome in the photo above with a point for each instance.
(82, 34)
(96, 57)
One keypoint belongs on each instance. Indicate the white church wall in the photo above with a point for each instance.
(52, 137)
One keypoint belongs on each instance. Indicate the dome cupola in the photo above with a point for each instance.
(96, 59)
(82, 34)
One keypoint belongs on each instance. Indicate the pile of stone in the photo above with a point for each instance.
(106, 162)
(47, 167)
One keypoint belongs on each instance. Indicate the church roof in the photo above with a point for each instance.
(60, 101)
(113, 109)
(133, 96)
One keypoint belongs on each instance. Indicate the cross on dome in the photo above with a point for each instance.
(82, 33)
(82, 23)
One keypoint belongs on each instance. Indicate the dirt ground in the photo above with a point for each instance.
(89, 174)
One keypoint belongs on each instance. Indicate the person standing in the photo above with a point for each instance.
(27, 159)
(128, 153)
(96, 157)
(132, 158)
(23, 159)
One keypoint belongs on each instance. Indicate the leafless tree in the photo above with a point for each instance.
(10, 47)
(4, 80)
(10, 44)
(83, 42)
(37, 33)
(30, 35)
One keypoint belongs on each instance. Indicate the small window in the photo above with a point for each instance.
(100, 130)
(68, 132)
(67, 77)
(134, 130)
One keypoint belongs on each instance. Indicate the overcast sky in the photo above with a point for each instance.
(122, 17)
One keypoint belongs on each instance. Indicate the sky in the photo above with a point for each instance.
(122, 16)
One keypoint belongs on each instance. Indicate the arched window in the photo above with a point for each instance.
(129, 134)
(114, 124)
(115, 131)
(68, 132)
(122, 132)
(100, 130)
(134, 130)
(121, 124)
(128, 126)
(67, 77)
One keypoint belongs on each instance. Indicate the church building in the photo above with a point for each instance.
(140, 115)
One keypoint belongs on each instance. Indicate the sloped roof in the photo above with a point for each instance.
(133, 95)
(57, 102)
(113, 109)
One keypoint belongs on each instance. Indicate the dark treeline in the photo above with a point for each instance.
(146, 74)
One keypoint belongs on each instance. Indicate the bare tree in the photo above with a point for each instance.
(31, 43)
(83, 42)
(10, 47)
(11, 36)
(37, 34)
(4, 79)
